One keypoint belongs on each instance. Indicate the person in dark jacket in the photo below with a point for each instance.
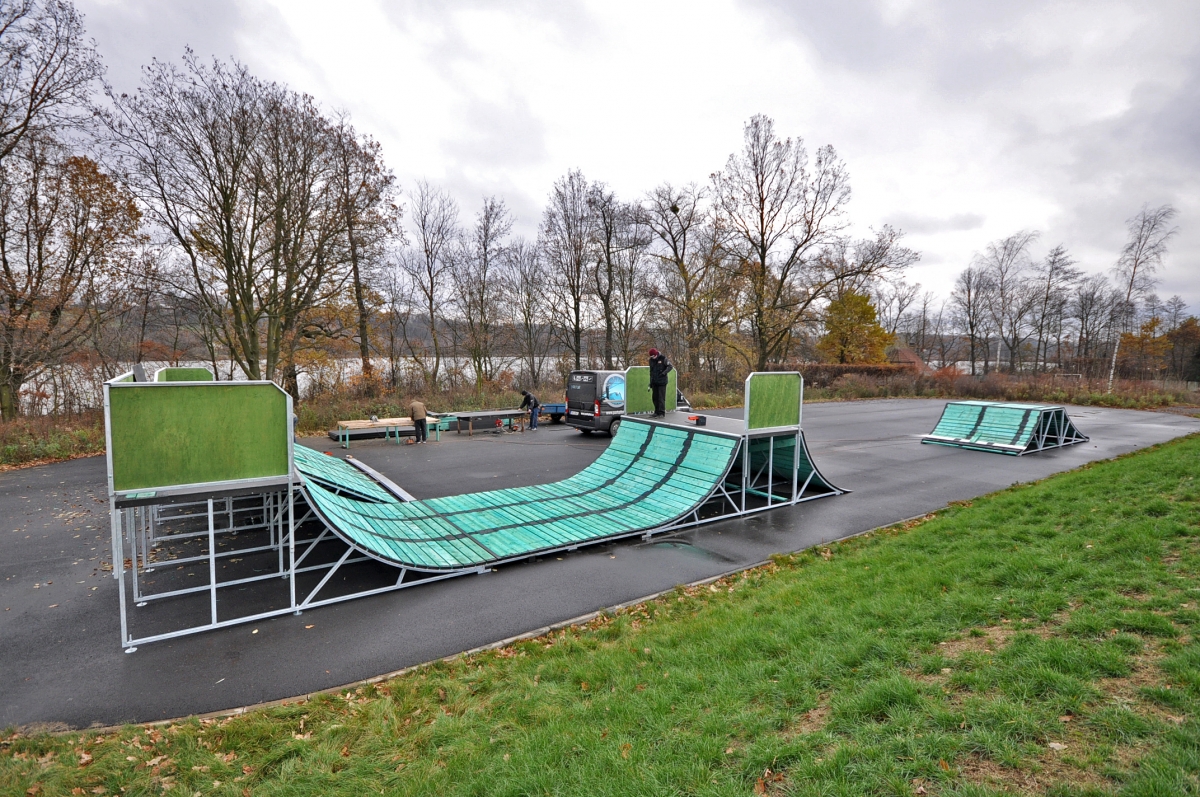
(659, 368)
(534, 405)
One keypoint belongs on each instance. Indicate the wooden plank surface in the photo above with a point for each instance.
(382, 423)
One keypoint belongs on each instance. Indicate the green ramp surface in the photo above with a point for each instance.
(648, 476)
(1005, 428)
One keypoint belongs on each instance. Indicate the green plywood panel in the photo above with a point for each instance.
(183, 375)
(638, 397)
(193, 434)
(637, 390)
(772, 400)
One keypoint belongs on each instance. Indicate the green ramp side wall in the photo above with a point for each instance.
(773, 399)
(172, 435)
(183, 375)
(639, 399)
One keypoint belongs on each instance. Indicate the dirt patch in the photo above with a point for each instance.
(991, 638)
(1051, 769)
(812, 720)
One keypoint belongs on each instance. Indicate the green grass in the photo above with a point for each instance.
(1040, 640)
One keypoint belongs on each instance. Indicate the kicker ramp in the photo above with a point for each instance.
(649, 476)
(1016, 429)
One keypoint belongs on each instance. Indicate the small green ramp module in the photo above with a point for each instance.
(1016, 429)
(209, 495)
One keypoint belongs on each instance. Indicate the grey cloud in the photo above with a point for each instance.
(131, 33)
(944, 40)
(500, 132)
(921, 224)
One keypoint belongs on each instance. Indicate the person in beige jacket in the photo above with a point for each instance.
(419, 414)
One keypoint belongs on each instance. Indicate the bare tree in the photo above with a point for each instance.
(778, 214)
(1006, 262)
(67, 234)
(528, 307)
(397, 312)
(236, 172)
(365, 189)
(688, 247)
(1149, 234)
(1051, 281)
(428, 264)
(970, 299)
(478, 285)
(610, 218)
(633, 292)
(47, 68)
(565, 239)
(1092, 309)
(892, 299)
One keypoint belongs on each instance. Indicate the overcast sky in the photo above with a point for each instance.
(961, 121)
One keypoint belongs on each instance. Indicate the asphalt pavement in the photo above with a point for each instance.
(61, 664)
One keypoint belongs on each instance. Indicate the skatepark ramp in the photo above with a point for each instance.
(290, 529)
(1016, 429)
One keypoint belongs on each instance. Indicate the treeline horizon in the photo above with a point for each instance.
(214, 216)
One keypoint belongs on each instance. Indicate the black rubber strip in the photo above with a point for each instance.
(978, 423)
(1021, 428)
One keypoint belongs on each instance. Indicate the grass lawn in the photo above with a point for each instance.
(1040, 640)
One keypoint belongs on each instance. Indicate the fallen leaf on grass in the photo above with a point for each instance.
(942, 763)
(1065, 718)
(85, 759)
(625, 748)
(345, 751)
(230, 756)
(1057, 746)
(34, 789)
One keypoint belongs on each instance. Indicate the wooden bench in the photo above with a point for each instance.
(388, 425)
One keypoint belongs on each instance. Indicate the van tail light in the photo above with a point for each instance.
(597, 413)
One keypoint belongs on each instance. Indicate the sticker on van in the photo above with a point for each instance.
(614, 390)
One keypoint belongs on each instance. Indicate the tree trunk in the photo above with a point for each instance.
(10, 390)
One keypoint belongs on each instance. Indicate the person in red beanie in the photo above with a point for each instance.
(659, 368)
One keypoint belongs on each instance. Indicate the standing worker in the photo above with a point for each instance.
(419, 414)
(659, 368)
(534, 406)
